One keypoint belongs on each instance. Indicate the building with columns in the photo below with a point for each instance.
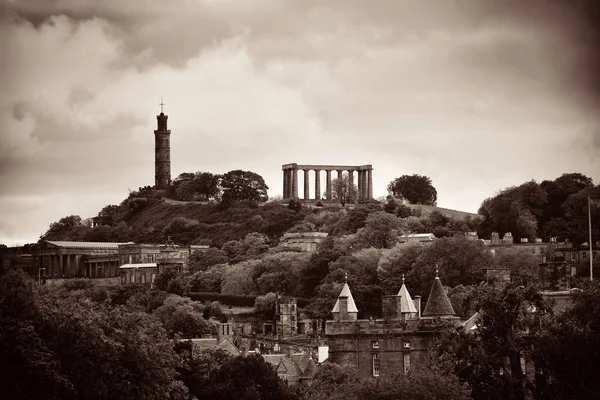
(63, 259)
(364, 175)
(162, 153)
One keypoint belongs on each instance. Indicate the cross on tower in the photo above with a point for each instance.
(161, 104)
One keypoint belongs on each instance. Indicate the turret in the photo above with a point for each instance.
(345, 308)
(438, 304)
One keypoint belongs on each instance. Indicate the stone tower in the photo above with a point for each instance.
(162, 152)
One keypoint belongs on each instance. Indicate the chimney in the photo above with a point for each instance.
(289, 351)
(495, 238)
(417, 302)
(244, 351)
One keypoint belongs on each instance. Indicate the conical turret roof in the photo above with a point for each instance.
(438, 304)
(406, 302)
(345, 293)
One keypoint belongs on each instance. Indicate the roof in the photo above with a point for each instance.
(438, 304)
(472, 323)
(298, 364)
(211, 343)
(345, 293)
(81, 245)
(141, 265)
(406, 302)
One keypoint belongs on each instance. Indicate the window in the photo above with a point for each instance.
(584, 255)
(406, 345)
(376, 364)
(406, 362)
(375, 344)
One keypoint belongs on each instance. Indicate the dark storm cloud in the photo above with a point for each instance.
(508, 88)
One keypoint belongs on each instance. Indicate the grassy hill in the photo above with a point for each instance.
(426, 210)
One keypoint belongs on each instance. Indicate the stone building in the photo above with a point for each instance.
(290, 180)
(400, 339)
(307, 241)
(64, 259)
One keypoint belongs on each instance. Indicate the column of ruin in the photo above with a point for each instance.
(370, 183)
(317, 184)
(295, 183)
(306, 183)
(328, 186)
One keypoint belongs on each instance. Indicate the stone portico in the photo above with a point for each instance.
(290, 180)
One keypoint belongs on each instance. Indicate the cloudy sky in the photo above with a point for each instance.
(479, 95)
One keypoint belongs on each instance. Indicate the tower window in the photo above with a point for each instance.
(376, 364)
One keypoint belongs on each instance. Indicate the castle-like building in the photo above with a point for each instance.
(162, 152)
(401, 338)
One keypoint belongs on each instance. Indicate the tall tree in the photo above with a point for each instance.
(241, 185)
(343, 190)
(417, 189)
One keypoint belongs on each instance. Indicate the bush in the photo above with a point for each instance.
(295, 205)
(77, 284)
(240, 300)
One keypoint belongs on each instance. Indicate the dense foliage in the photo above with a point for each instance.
(416, 189)
(555, 208)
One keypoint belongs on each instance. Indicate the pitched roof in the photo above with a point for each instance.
(345, 293)
(140, 265)
(80, 245)
(438, 303)
(406, 302)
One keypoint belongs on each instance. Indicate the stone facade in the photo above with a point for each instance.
(290, 180)
(307, 241)
(400, 339)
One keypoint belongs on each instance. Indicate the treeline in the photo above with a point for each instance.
(548, 209)
(82, 341)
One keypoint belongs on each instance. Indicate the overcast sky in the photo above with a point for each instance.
(478, 95)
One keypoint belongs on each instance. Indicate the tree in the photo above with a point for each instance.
(343, 190)
(245, 378)
(64, 229)
(202, 260)
(182, 316)
(489, 357)
(264, 306)
(382, 231)
(241, 185)
(566, 351)
(417, 189)
(460, 261)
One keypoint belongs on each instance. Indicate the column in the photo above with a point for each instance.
(328, 186)
(364, 185)
(317, 184)
(359, 184)
(295, 183)
(370, 179)
(285, 183)
(339, 172)
(68, 264)
(306, 183)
